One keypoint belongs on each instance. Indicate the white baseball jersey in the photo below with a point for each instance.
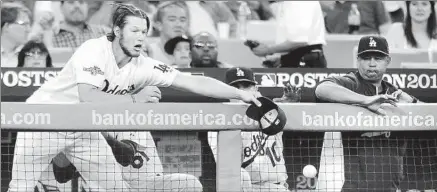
(268, 165)
(94, 63)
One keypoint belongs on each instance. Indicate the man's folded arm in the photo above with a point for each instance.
(332, 92)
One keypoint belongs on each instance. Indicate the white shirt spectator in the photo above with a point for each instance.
(391, 6)
(200, 20)
(300, 21)
(10, 59)
(397, 40)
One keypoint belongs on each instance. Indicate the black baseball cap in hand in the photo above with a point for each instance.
(239, 74)
(270, 117)
(373, 44)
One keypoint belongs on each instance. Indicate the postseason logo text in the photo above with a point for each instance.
(310, 80)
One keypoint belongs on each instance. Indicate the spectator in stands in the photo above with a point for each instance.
(99, 10)
(207, 16)
(419, 30)
(372, 160)
(260, 10)
(74, 30)
(179, 47)
(395, 10)
(34, 54)
(15, 29)
(171, 20)
(204, 52)
(301, 35)
(374, 17)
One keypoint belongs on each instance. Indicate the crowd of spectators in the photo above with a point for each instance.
(40, 26)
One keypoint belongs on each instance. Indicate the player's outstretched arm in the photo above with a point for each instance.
(329, 91)
(212, 88)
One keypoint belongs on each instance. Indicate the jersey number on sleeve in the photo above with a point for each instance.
(163, 68)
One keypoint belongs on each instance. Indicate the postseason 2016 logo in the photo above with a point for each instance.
(307, 80)
(310, 80)
(94, 70)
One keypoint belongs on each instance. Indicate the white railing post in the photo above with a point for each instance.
(228, 161)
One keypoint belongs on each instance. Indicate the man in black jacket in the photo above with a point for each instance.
(372, 160)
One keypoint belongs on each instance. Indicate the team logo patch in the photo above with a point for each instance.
(265, 79)
(163, 68)
(372, 42)
(240, 73)
(94, 70)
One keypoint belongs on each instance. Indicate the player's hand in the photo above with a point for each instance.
(402, 96)
(46, 20)
(251, 43)
(292, 94)
(272, 61)
(261, 50)
(249, 97)
(124, 152)
(149, 94)
(373, 103)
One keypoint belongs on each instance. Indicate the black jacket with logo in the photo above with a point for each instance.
(356, 83)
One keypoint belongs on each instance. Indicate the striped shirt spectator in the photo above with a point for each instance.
(73, 31)
(15, 24)
(68, 38)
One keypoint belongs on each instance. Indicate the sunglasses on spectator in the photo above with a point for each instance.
(22, 23)
(203, 45)
(35, 54)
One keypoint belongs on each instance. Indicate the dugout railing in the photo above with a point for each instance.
(82, 117)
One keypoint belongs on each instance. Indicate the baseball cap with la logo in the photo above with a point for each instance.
(373, 44)
(239, 74)
(271, 117)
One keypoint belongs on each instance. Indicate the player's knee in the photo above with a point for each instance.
(188, 183)
(246, 182)
(245, 177)
(193, 184)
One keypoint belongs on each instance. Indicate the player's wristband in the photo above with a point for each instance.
(133, 99)
(414, 100)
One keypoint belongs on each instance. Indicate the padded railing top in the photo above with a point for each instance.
(210, 116)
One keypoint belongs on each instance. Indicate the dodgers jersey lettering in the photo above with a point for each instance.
(94, 63)
(269, 164)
